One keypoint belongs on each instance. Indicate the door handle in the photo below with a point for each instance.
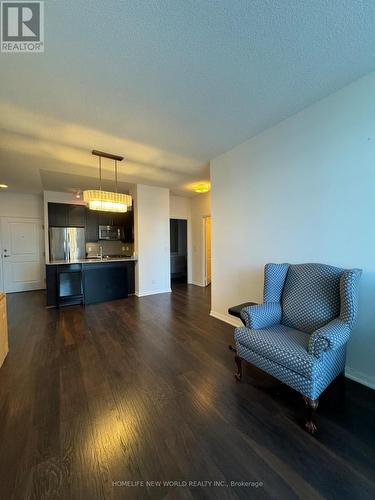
(7, 255)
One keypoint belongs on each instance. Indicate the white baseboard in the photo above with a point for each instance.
(197, 283)
(227, 318)
(153, 292)
(360, 377)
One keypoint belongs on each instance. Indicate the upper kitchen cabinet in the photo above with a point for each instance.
(118, 218)
(128, 223)
(76, 216)
(111, 219)
(57, 215)
(65, 215)
(92, 225)
(105, 219)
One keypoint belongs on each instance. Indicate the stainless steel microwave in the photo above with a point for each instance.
(111, 233)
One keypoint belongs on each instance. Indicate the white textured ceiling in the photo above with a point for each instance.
(169, 84)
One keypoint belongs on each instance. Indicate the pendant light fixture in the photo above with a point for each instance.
(107, 201)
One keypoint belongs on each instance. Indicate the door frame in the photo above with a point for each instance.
(1, 260)
(204, 260)
(41, 249)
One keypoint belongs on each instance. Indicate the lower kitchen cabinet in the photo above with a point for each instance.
(104, 282)
(89, 283)
(64, 284)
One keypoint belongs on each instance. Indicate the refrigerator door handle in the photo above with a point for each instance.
(65, 247)
(68, 244)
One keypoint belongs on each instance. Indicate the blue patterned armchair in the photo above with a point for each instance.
(299, 333)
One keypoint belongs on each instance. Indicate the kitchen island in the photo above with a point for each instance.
(88, 281)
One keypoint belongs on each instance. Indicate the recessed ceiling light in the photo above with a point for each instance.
(202, 187)
(3, 186)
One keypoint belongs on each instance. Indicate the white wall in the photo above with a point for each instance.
(180, 208)
(200, 207)
(152, 245)
(302, 191)
(19, 205)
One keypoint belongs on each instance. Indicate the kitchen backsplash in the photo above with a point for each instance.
(109, 248)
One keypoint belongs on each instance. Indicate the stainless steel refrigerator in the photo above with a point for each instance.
(66, 243)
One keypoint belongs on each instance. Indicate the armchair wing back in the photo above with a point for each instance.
(312, 295)
(274, 279)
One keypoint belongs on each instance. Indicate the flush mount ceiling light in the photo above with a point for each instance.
(202, 187)
(3, 186)
(107, 201)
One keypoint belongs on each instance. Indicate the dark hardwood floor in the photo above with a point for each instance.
(143, 390)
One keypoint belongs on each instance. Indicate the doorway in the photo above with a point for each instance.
(178, 250)
(21, 254)
(207, 249)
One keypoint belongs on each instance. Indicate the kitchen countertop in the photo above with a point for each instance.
(91, 261)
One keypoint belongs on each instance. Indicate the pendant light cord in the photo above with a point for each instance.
(100, 173)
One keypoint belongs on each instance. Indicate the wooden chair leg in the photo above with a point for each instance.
(312, 405)
(238, 375)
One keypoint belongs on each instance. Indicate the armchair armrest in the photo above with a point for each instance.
(262, 315)
(330, 336)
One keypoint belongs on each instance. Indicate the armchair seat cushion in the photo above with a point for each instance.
(283, 345)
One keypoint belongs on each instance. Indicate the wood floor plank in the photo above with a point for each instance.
(95, 401)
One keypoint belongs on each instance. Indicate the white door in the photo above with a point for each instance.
(21, 242)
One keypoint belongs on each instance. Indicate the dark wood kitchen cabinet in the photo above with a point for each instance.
(66, 215)
(92, 225)
(105, 282)
(111, 218)
(128, 224)
(76, 215)
(88, 283)
(64, 284)
(57, 215)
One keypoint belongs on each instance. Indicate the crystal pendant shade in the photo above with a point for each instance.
(106, 201)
